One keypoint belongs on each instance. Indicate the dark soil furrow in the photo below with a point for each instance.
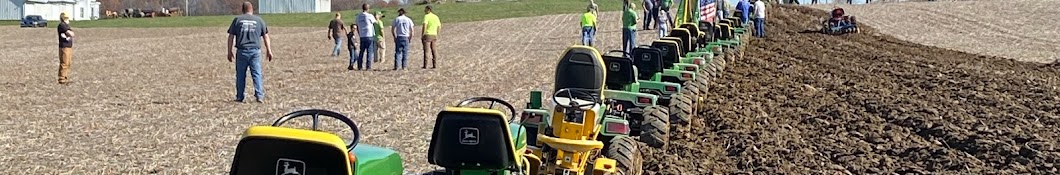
(808, 103)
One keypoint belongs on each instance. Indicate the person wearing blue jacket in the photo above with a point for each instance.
(745, 11)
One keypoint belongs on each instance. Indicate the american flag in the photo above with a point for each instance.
(707, 10)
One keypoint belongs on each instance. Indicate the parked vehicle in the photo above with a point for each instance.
(34, 21)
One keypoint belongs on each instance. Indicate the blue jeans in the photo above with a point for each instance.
(629, 40)
(353, 54)
(647, 20)
(338, 45)
(249, 58)
(401, 52)
(366, 54)
(662, 31)
(588, 33)
(760, 27)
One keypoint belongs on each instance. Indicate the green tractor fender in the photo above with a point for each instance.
(668, 75)
(687, 67)
(664, 88)
(377, 160)
(614, 126)
(638, 99)
(695, 60)
(518, 133)
(532, 121)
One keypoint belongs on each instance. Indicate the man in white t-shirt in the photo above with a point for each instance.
(366, 30)
(402, 31)
(760, 19)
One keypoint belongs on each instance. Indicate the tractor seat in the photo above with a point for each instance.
(708, 33)
(648, 61)
(684, 39)
(837, 13)
(280, 150)
(461, 136)
(581, 68)
(570, 144)
(620, 72)
(671, 52)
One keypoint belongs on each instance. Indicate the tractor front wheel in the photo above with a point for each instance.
(624, 150)
(655, 129)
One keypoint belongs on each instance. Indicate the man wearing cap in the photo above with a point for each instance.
(401, 31)
(431, 24)
(66, 48)
(247, 34)
(588, 26)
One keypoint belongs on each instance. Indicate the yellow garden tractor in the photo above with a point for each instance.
(284, 150)
(567, 135)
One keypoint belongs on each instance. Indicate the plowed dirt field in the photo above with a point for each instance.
(808, 103)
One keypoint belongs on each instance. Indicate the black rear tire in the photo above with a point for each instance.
(680, 110)
(655, 129)
(624, 150)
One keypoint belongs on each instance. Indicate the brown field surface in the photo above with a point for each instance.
(1023, 30)
(809, 103)
(156, 101)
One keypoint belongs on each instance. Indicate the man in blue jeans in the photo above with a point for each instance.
(401, 30)
(366, 30)
(246, 34)
(760, 19)
(588, 25)
(335, 31)
(629, 28)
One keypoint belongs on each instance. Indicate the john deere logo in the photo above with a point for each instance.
(469, 136)
(290, 167)
(614, 67)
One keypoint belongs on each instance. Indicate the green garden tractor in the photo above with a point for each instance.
(283, 150)
(472, 140)
(629, 98)
(655, 77)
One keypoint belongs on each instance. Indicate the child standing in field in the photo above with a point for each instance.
(352, 45)
(380, 45)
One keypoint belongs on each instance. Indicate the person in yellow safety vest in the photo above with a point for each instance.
(588, 27)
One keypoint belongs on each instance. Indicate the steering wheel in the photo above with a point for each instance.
(316, 113)
(624, 53)
(492, 101)
(572, 93)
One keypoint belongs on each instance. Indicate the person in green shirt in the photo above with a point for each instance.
(588, 24)
(629, 27)
(431, 24)
(665, 10)
(380, 46)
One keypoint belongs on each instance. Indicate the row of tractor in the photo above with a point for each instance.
(601, 105)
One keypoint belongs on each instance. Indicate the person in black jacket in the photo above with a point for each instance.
(66, 48)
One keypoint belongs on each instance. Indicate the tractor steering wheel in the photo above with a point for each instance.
(573, 93)
(316, 113)
(492, 101)
(624, 53)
